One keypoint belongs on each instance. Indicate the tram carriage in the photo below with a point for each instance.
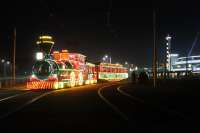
(61, 69)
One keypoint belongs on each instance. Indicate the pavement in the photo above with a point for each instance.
(106, 107)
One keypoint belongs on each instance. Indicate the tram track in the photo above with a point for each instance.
(23, 100)
(111, 105)
(115, 108)
(126, 98)
(13, 96)
(18, 102)
(162, 108)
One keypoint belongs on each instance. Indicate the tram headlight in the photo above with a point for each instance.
(39, 56)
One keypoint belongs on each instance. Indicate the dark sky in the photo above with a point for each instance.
(82, 26)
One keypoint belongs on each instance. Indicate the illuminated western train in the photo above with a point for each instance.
(63, 69)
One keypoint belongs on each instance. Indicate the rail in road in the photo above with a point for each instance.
(130, 100)
(108, 93)
(16, 102)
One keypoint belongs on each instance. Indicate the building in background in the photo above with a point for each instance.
(183, 64)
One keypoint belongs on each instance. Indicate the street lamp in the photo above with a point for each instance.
(8, 62)
(106, 57)
(136, 68)
(2, 61)
(5, 63)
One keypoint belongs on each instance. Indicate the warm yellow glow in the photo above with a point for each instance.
(55, 52)
(61, 85)
(112, 65)
(92, 82)
(90, 64)
(80, 79)
(64, 51)
(56, 85)
(87, 82)
(45, 37)
(42, 85)
(56, 55)
(39, 42)
(64, 56)
(72, 79)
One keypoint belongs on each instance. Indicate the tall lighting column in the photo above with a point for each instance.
(154, 51)
(168, 52)
(14, 58)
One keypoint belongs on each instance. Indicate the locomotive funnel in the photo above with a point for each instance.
(45, 44)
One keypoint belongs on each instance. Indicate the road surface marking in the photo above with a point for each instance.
(30, 102)
(128, 95)
(13, 96)
(115, 108)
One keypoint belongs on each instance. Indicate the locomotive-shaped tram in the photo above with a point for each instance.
(61, 69)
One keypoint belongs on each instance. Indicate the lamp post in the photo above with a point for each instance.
(154, 51)
(126, 64)
(106, 58)
(4, 67)
(8, 68)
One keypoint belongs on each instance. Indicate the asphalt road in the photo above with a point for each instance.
(109, 107)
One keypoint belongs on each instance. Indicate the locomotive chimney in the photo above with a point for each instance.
(45, 44)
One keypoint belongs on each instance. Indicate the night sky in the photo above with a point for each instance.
(84, 26)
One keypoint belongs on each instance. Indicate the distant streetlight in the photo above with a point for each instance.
(8, 62)
(126, 63)
(136, 68)
(5, 63)
(105, 58)
(2, 61)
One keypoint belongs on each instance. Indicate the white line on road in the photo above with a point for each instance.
(13, 96)
(30, 102)
(115, 108)
(128, 95)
